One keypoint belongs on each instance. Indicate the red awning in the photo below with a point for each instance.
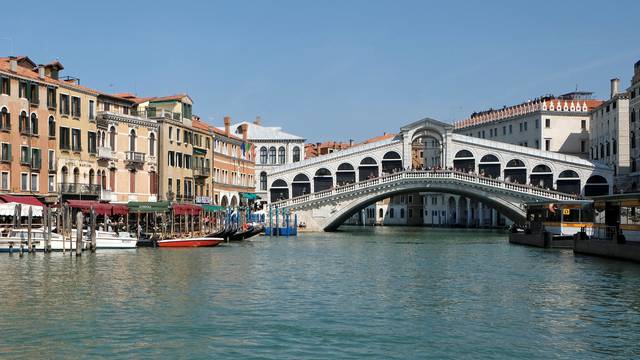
(98, 207)
(186, 209)
(27, 199)
(119, 209)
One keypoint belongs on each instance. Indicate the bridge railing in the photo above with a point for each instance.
(430, 174)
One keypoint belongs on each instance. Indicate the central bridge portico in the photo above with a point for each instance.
(501, 175)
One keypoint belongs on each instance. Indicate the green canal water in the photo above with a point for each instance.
(362, 293)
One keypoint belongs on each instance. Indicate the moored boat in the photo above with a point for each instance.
(190, 242)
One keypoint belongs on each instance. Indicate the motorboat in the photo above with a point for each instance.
(110, 239)
(190, 242)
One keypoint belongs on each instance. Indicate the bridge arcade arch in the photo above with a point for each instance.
(368, 169)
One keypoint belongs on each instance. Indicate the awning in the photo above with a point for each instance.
(186, 209)
(213, 208)
(250, 196)
(86, 205)
(145, 207)
(8, 209)
(20, 199)
(119, 209)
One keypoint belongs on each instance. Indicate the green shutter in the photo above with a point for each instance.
(9, 152)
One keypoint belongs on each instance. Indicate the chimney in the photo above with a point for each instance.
(13, 64)
(227, 125)
(245, 130)
(615, 87)
(258, 121)
(350, 142)
(41, 71)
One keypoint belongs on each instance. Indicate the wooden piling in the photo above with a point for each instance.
(47, 242)
(79, 219)
(92, 217)
(29, 228)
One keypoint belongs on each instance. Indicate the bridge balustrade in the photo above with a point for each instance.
(428, 174)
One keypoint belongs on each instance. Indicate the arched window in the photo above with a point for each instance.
(614, 145)
(112, 138)
(52, 127)
(76, 176)
(91, 176)
(296, 154)
(263, 181)
(34, 124)
(263, 155)
(23, 122)
(152, 144)
(5, 121)
(380, 213)
(282, 155)
(272, 155)
(132, 140)
(65, 175)
(401, 213)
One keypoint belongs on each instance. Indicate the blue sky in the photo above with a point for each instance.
(333, 69)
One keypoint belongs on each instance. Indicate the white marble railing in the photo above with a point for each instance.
(441, 174)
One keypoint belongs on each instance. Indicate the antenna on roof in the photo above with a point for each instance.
(576, 87)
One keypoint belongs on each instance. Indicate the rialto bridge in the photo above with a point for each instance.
(426, 156)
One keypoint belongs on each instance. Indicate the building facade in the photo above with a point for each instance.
(273, 147)
(233, 166)
(202, 160)
(127, 151)
(634, 129)
(609, 135)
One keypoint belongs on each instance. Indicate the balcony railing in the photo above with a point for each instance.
(84, 189)
(154, 113)
(135, 157)
(105, 153)
(201, 171)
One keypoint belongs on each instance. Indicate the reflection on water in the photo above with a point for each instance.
(359, 293)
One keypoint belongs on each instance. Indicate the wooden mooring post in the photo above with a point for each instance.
(47, 240)
(92, 223)
(79, 219)
(29, 226)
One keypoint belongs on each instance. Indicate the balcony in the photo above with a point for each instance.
(79, 189)
(105, 153)
(134, 157)
(153, 113)
(201, 171)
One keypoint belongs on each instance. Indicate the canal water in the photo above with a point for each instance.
(362, 293)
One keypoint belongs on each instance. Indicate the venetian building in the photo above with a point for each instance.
(127, 150)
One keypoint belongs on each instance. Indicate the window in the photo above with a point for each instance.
(6, 86)
(296, 154)
(23, 123)
(263, 155)
(272, 155)
(34, 93)
(391, 213)
(92, 105)
(6, 152)
(25, 155)
(170, 133)
(171, 156)
(112, 138)
(22, 90)
(93, 144)
(132, 140)
(401, 213)
(178, 135)
(263, 181)
(52, 160)
(5, 119)
(75, 107)
(281, 155)
(614, 145)
(410, 213)
(24, 182)
(583, 124)
(179, 159)
(504, 130)
(65, 138)
(52, 183)
(520, 127)
(170, 184)
(633, 115)
(537, 123)
(525, 126)
(34, 182)
(547, 123)
(510, 129)
(64, 104)
(51, 97)
(537, 144)
(547, 144)
(152, 144)
(34, 124)
(52, 127)
(4, 180)
(76, 140)
(36, 158)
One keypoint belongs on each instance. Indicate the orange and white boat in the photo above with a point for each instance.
(190, 242)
